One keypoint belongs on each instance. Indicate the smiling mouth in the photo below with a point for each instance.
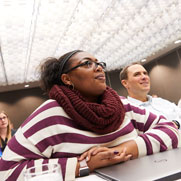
(145, 83)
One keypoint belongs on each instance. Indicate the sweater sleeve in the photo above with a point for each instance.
(39, 140)
(155, 133)
(21, 154)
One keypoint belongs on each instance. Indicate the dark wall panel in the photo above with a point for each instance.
(179, 55)
(166, 77)
(115, 83)
(20, 104)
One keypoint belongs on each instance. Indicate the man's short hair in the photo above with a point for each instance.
(124, 72)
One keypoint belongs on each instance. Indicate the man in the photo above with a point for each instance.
(179, 103)
(137, 83)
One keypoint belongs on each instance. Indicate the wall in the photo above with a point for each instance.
(165, 74)
(114, 82)
(21, 103)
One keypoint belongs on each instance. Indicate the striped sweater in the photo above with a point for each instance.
(49, 135)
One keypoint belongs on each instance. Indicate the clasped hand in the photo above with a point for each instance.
(98, 157)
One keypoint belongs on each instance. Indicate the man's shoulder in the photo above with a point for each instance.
(159, 99)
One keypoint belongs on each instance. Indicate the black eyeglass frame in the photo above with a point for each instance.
(102, 64)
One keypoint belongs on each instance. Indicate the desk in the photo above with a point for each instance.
(91, 177)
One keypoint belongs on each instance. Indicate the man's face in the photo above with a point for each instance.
(138, 81)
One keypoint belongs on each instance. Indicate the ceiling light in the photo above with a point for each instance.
(144, 60)
(27, 85)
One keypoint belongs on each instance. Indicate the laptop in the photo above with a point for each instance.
(164, 166)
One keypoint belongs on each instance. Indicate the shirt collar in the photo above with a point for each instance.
(138, 102)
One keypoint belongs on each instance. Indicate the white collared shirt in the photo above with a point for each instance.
(179, 103)
(160, 106)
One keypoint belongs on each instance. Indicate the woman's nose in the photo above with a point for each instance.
(98, 68)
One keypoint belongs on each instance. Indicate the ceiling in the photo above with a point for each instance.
(115, 31)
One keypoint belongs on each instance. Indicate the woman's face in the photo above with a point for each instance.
(89, 80)
(3, 121)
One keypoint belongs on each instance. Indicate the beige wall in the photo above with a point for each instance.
(165, 74)
(21, 103)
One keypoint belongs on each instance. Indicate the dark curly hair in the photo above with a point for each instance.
(52, 69)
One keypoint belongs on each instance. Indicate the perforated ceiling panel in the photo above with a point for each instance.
(115, 31)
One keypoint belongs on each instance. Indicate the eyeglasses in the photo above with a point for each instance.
(89, 64)
(4, 117)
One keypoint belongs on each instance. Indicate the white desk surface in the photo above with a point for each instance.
(91, 177)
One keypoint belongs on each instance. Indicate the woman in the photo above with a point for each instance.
(5, 130)
(82, 113)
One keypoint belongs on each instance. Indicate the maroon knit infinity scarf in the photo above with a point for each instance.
(101, 118)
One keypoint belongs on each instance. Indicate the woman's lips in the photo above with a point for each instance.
(100, 77)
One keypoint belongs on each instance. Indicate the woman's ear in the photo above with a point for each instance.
(66, 79)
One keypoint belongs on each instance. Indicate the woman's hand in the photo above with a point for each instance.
(103, 157)
(131, 148)
(98, 157)
(91, 152)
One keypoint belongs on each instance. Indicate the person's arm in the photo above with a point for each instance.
(155, 133)
(39, 140)
(99, 156)
(13, 164)
(103, 157)
(21, 154)
(168, 109)
(177, 111)
(130, 147)
(179, 103)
